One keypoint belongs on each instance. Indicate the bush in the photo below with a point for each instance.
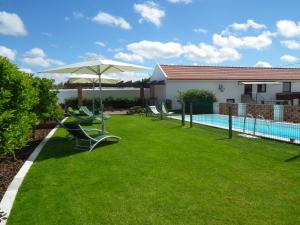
(24, 101)
(202, 100)
(136, 110)
(47, 108)
(109, 103)
(18, 97)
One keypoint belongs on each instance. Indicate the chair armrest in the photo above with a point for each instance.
(93, 129)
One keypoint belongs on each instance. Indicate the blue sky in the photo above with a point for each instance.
(37, 35)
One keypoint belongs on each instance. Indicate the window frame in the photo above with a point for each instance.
(290, 87)
(260, 88)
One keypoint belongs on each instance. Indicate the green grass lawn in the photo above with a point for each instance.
(160, 173)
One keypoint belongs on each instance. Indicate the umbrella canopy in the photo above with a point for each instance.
(98, 67)
(91, 79)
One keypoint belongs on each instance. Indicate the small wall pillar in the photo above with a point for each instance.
(278, 112)
(242, 109)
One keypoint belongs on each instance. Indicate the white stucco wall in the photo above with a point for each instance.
(232, 89)
(160, 92)
(157, 74)
(107, 92)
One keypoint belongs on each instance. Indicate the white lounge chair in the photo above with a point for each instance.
(154, 110)
(164, 110)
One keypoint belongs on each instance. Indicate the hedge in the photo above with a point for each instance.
(109, 103)
(24, 101)
(202, 100)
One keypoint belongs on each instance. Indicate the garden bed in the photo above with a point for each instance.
(9, 166)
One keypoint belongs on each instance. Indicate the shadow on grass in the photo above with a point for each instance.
(59, 147)
(294, 158)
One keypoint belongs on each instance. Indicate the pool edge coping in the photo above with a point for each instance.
(10, 194)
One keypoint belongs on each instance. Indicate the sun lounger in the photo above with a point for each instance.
(81, 135)
(84, 120)
(164, 110)
(87, 112)
(154, 110)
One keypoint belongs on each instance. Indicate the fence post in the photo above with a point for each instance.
(230, 121)
(182, 114)
(191, 114)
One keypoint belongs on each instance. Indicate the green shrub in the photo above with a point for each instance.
(136, 110)
(202, 100)
(47, 107)
(198, 95)
(18, 97)
(109, 102)
(24, 101)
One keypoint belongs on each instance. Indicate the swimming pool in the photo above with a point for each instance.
(265, 128)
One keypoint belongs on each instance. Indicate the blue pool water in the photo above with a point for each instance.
(265, 128)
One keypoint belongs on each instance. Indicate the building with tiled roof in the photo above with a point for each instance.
(230, 84)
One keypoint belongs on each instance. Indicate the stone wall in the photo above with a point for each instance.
(285, 113)
(223, 108)
(267, 111)
(291, 114)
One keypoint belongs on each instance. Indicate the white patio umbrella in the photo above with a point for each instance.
(97, 67)
(91, 79)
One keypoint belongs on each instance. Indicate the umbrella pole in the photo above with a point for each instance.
(94, 98)
(101, 105)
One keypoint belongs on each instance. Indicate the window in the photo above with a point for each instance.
(261, 88)
(286, 87)
(230, 100)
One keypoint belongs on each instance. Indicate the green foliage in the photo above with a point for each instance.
(47, 107)
(109, 103)
(136, 110)
(18, 97)
(24, 101)
(202, 100)
(198, 95)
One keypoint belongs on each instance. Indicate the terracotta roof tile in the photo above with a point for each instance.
(180, 72)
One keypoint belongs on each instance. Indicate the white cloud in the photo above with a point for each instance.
(36, 57)
(200, 30)
(257, 42)
(288, 28)
(91, 56)
(210, 54)
(108, 19)
(180, 1)
(154, 49)
(129, 57)
(11, 24)
(26, 70)
(150, 12)
(99, 43)
(8, 53)
(47, 34)
(114, 49)
(291, 44)
(288, 58)
(247, 25)
(203, 52)
(78, 15)
(35, 52)
(263, 64)
(41, 62)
